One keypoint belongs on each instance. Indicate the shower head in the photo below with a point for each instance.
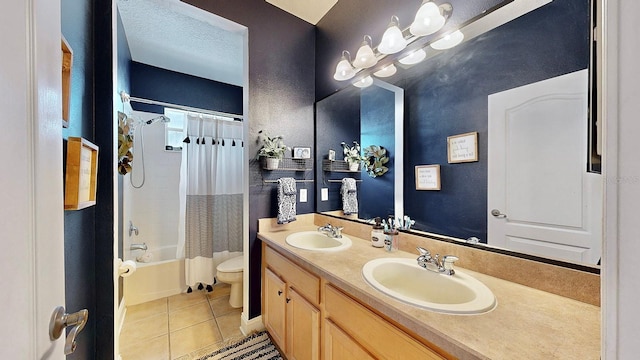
(160, 118)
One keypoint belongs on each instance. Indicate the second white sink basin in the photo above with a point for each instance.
(404, 280)
(317, 241)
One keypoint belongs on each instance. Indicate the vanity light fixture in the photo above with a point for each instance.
(449, 41)
(365, 58)
(430, 18)
(413, 58)
(386, 71)
(364, 82)
(344, 69)
(392, 41)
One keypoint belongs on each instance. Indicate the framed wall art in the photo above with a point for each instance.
(301, 152)
(81, 175)
(462, 148)
(428, 177)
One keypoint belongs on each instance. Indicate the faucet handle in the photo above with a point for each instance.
(447, 263)
(423, 252)
(337, 231)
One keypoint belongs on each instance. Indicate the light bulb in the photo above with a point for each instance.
(364, 82)
(344, 70)
(449, 41)
(413, 58)
(386, 71)
(392, 40)
(365, 58)
(428, 20)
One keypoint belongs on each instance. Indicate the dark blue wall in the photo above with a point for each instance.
(79, 226)
(448, 96)
(377, 127)
(153, 83)
(337, 120)
(281, 97)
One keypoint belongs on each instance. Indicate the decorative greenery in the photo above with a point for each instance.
(272, 147)
(125, 143)
(374, 159)
(352, 153)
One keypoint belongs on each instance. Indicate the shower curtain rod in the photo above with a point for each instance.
(185, 108)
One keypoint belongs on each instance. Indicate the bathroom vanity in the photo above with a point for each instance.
(317, 304)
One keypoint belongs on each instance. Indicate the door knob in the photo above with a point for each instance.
(498, 214)
(61, 320)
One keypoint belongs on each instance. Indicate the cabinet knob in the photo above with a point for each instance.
(288, 299)
(279, 292)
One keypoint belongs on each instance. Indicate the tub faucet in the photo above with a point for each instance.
(331, 231)
(142, 246)
(435, 264)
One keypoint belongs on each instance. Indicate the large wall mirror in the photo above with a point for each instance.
(521, 81)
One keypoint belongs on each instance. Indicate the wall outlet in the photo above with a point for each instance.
(303, 195)
(324, 194)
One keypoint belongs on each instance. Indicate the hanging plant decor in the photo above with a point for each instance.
(374, 159)
(125, 143)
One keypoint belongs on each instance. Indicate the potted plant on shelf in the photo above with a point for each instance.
(272, 150)
(352, 155)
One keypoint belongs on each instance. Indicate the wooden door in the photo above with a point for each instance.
(32, 258)
(303, 328)
(275, 307)
(340, 346)
(541, 199)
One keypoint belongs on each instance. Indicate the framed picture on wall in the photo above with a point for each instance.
(301, 152)
(462, 148)
(428, 177)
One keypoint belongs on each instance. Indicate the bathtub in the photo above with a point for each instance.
(162, 277)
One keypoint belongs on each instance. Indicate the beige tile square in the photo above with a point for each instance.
(192, 338)
(229, 326)
(219, 290)
(149, 327)
(220, 306)
(150, 349)
(186, 299)
(141, 311)
(190, 315)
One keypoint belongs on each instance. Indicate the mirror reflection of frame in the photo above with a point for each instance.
(447, 94)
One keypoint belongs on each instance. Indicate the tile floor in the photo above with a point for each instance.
(176, 326)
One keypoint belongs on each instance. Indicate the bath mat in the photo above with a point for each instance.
(256, 346)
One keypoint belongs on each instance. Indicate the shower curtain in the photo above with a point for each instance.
(210, 195)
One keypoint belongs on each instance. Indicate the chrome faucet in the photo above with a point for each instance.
(435, 264)
(142, 246)
(331, 231)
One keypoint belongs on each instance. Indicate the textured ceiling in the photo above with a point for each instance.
(309, 10)
(176, 36)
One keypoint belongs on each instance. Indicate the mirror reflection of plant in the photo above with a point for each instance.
(352, 153)
(272, 147)
(125, 143)
(375, 157)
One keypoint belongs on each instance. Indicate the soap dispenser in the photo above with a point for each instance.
(377, 234)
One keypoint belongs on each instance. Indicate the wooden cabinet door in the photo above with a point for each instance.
(303, 328)
(275, 307)
(340, 346)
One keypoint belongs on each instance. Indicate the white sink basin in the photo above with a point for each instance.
(317, 241)
(404, 280)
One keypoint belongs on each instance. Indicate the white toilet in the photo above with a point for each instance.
(230, 272)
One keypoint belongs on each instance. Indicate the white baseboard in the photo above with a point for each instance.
(248, 326)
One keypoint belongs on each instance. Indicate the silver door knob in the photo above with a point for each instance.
(498, 214)
(60, 320)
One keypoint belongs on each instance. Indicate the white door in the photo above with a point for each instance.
(541, 199)
(31, 211)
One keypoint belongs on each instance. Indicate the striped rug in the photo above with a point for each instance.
(256, 346)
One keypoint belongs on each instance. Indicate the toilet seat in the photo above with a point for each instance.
(231, 265)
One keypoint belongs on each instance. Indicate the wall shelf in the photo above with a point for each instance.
(338, 166)
(290, 164)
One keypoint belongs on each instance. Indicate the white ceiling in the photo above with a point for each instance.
(176, 36)
(172, 35)
(308, 10)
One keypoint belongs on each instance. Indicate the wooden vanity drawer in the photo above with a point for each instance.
(375, 334)
(302, 281)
